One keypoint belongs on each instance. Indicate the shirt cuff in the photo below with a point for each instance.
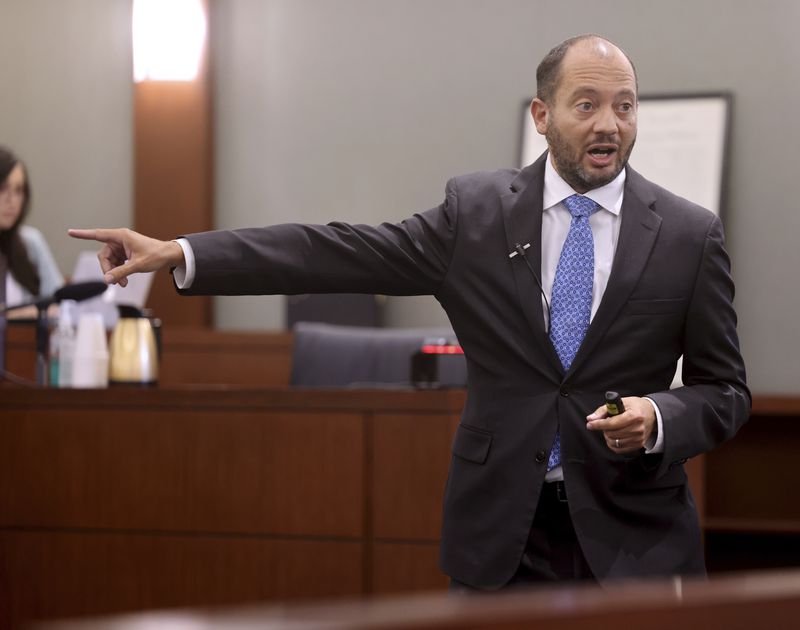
(184, 274)
(656, 443)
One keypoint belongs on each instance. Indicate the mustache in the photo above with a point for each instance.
(606, 139)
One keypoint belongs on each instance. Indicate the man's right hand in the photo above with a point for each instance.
(126, 252)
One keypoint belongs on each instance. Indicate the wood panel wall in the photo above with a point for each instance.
(117, 500)
(174, 175)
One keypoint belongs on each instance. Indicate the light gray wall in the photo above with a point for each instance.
(361, 109)
(65, 109)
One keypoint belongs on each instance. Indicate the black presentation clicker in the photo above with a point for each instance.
(614, 404)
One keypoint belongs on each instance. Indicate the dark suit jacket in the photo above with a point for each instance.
(670, 293)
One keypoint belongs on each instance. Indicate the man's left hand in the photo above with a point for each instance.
(629, 431)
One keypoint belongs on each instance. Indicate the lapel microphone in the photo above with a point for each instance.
(520, 249)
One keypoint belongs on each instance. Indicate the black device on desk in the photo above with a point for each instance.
(439, 363)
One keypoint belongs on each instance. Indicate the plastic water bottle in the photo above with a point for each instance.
(53, 359)
(62, 346)
(66, 341)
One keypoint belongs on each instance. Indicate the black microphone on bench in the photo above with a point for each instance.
(79, 291)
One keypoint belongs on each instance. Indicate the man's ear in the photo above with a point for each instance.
(541, 115)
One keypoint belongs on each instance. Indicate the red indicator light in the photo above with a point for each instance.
(431, 349)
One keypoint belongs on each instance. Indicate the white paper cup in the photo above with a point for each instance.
(90, 362)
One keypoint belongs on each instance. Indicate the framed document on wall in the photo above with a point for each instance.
(682, 144)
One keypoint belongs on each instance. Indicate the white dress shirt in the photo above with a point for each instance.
(605, 225)
(183, 275)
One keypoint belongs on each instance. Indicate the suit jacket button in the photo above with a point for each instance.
(564, 393)
(541, 455)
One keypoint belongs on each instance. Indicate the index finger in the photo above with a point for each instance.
(97, 234)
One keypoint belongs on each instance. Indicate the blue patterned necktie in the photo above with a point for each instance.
(571, 299)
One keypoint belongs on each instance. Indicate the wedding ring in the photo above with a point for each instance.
(616, 441)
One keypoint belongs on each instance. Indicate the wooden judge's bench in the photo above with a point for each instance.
(224, 486)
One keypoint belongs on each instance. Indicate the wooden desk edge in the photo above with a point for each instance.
(226, 396)
(625, 600)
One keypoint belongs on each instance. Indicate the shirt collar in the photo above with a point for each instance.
(556, 190)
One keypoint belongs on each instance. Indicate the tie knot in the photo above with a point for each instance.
(580, 206)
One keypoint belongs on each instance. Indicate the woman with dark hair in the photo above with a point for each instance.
(32, 270)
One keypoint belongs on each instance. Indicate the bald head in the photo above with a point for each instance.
(548, 74)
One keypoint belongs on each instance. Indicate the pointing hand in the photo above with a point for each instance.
(126, 252)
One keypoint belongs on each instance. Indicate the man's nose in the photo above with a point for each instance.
(606, 121)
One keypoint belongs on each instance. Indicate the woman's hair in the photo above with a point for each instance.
(11, 243)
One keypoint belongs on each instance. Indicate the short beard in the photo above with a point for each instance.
(568, 164)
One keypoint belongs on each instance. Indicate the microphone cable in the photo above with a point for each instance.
(521, 251)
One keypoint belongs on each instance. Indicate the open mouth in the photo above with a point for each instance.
(602, 149)
(602, 154)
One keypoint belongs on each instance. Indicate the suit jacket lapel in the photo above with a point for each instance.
(522, 217)
(637, 235)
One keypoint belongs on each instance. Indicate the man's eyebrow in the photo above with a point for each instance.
(590, 91)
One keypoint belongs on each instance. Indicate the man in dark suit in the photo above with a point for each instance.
(563, 280)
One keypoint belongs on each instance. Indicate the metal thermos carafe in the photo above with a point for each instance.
(133, 357)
